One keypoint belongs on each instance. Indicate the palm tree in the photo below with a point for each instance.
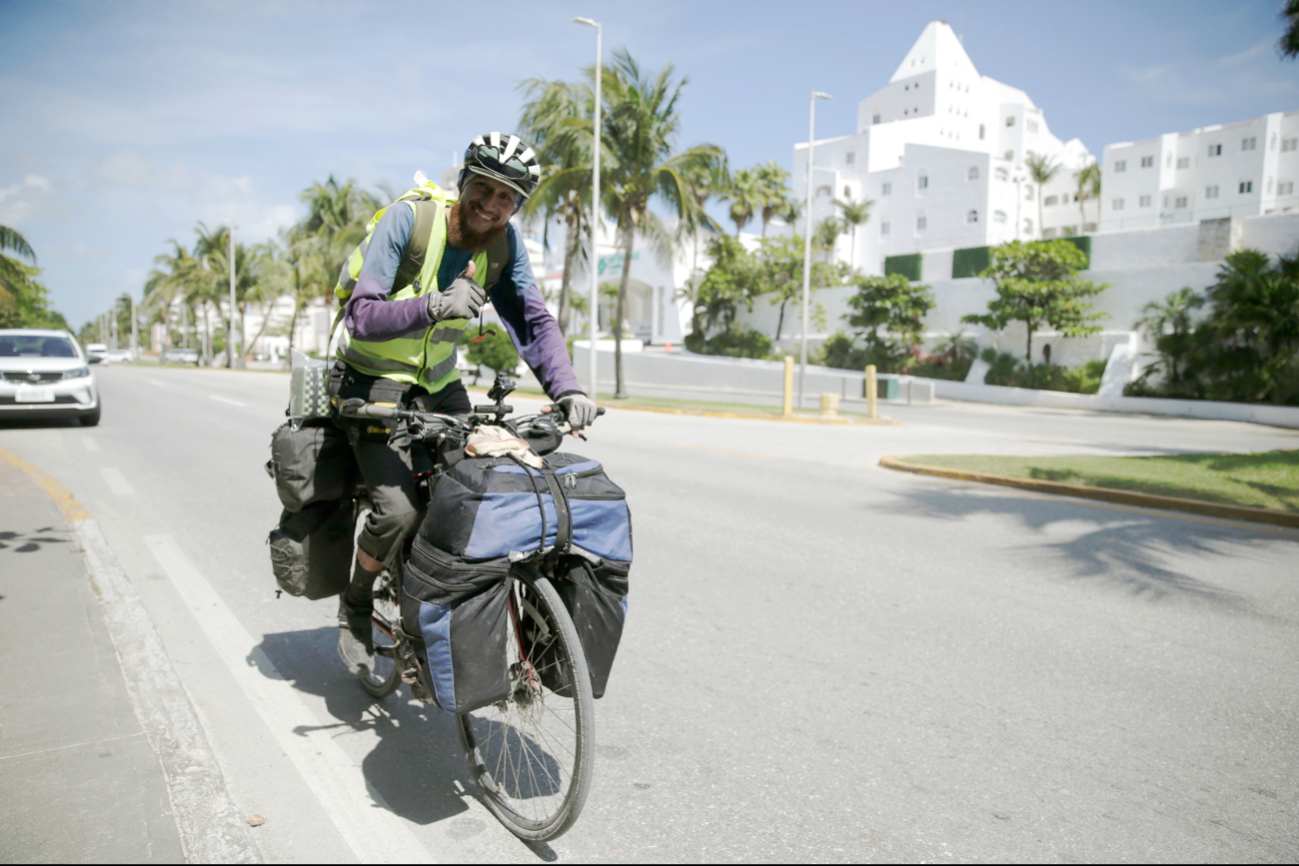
(825, 235)
(1289, 43)
(557, 120)
(853, 214)
(641, 123)
(704, 181)
(13, 274)
(1088, 180)
(338, 214)
(775, 191)
(744, 192)
(1042, 169)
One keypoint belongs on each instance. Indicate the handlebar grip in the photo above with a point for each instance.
(355, 407)
(599, 411)
(490, 409)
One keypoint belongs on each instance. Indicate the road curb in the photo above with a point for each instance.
(211, 828)
(1099, 494)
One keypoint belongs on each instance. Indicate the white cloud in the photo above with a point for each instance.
(221, 200)
(130, 169)
(32, 198)
(76, 252)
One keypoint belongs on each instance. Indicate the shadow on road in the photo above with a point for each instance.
(1127, 549)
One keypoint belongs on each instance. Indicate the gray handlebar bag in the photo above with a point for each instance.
(310, 463)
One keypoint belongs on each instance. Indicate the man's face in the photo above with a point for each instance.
(486, 205)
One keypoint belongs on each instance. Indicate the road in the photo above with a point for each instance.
(825, 661)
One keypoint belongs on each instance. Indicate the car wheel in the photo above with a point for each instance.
(90, 419)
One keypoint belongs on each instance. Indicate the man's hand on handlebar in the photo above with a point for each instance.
(579, 409)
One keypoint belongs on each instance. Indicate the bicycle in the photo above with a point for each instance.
(532, 753)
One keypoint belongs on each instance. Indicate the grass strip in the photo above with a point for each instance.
(1268, 479)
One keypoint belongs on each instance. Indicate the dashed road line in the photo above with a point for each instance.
(91, 444)
(339, 784)
(117, 482)
(227, 400)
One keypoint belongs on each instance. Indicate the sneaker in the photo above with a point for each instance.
(355, 639)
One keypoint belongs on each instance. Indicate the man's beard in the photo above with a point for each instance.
(462, 237)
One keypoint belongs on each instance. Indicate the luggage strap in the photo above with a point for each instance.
(564, 531)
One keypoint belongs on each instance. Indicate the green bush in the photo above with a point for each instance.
(494, 350)
(737, 341)
(1010, 370)
(907, 266)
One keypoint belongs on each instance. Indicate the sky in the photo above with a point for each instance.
(124, 124)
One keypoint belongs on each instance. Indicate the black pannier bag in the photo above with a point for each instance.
(454, 614)
(310, 463)
(595, 596)
(312, 549)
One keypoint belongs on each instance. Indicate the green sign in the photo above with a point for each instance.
(612, 264)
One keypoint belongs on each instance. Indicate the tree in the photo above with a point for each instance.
(1037, 284)
(24, 301)
(826, 235)
(745, 193)
(641, 123)
(727, 285)
(1042, 169)
(1170, 324)
(853, 214)
(13, 274)
(337, 214)
(1289, 44)
(1254, 324)
(774, 191)
(1088, 180)
(888, 316)
(557, 119)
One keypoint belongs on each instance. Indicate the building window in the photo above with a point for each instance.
(884, 229)
(1010, 121)
(1168, 161)
(1051, 199)
(849, 157)
(905, 112)
(1289, 144)
(875, 118)
(1147, 162)
(1028, 191)
(1002, 174)
(886, 189)
(1048, 233)
(1121, 165)
(1215, 150)
(1117, 205)
(1249, 143)
(1144, 201)
(972, 217)
(1183, 162)
(1068, 231)
(1246, 186)
(1211, 191)
(1285, 187)
(847, 193)
(921, 224)
(1032, 125)
(981, 132)
(922, 182)
(973, 173)
(999, 217)
(1179, 202)
(1028, 227)
(1010, 154)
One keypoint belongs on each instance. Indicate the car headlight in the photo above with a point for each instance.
(79, 373)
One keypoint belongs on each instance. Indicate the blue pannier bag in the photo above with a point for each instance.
(486, 508)
(484, 514)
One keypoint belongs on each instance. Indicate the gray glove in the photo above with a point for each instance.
(578, 408)
(460, 300)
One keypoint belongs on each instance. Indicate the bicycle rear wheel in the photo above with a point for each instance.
(532, 754)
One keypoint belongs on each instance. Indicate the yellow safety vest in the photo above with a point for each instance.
(428, 360)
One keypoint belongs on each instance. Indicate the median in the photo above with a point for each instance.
(1262, 487)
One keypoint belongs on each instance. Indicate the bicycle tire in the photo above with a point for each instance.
(515, 748)
(384, 679)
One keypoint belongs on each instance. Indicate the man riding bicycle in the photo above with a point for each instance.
(429, 266)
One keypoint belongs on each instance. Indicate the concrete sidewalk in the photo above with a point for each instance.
(81, 781)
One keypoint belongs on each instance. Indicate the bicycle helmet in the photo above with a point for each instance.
(506, 158)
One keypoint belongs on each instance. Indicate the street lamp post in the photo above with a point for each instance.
(807, 242)
(135, 331)
(232, 343)
(593, 261)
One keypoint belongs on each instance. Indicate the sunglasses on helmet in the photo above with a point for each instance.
(490, 157)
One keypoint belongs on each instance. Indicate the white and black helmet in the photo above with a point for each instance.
(506, 158)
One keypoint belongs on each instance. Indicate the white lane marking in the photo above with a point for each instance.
(117, 482)
(374, 835)
(226, 400)
(159, 382)
(91, 444)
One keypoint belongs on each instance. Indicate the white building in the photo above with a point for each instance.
(1238, 170)
(941, 151)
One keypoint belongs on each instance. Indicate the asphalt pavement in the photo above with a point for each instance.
(824, 661)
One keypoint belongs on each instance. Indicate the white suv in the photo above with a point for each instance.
(44, 374)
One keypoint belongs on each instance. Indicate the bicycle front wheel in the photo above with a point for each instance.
(384, 675)
(532, 754)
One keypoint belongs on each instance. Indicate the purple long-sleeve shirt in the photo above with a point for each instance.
(371, 315)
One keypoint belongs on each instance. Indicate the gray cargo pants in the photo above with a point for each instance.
(387, 456)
